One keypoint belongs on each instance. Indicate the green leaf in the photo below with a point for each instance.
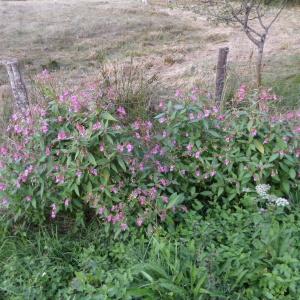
(122, 164)
(92, 160)
(292, 173)
(105, 174)
(259, 146)
(76, 190)
(175, 200)
(206, 193)
(273, 157)
(286, 186)
(147, 276)
(108, 116)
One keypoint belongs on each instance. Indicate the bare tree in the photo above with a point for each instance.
(251, 15)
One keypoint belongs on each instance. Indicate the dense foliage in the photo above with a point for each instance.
(192, 202)
(79, 157)
(230, 254)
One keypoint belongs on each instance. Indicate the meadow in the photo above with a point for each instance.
(123, 178)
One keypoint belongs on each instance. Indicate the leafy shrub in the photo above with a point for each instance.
(81, 157)
(233, 254)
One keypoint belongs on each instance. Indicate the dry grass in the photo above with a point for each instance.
(75, 37)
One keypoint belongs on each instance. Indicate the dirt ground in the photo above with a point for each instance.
(75, 37)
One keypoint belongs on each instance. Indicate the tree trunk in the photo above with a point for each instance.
(221, 73)
(259, 65)
(17, 84)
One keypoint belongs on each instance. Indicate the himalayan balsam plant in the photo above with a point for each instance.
(79, 156)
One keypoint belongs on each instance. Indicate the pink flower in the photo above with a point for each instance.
(81, 129)
(207, 113)
(60, 179)
(75, 104)
(200, 116)
(101, 210)
(179, 93)
(124, 226)
(94, 171)
(3, 186)
(189, 147)
(5, 202)
(139, 222)
(63, 97)
(213, 173)
(60, 119)
(121, 112)
(97, 126)
(253, 132)
(3, 151)
(120, 148)
(241, 94)
(53, 211)
(161, 104)
(101, 147)
(197, 173)
(165, 199)
(141, 166)
(215, 109)
(162, 120)
(191, 117)
(129, 147)
(193, 98)
(142, 200)
(297, 129)
(44, 127)
(266, 95)
(48, 151)
(62, 135)
(164, 182)
(28, 198)
(226, 162)
(221, 117)
(266, 141)
(114, 190)
(197, 154)
(67, 202)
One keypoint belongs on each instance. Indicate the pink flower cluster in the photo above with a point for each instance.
(267, 95)
(121, 112)
(29, 122)
(241, 93)
(23, 176)
(143, 130)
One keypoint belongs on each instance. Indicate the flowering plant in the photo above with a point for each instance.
(79, 156)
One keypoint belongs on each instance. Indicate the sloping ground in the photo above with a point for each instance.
(75, 37)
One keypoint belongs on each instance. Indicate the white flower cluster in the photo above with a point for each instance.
(281, 202)
(263, 189)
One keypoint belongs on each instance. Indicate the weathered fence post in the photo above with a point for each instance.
(221, 73)
(17, 83)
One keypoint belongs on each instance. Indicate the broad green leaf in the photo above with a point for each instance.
(273, 157)
(259, 146)
(108, 116)
(292, 173)
(175, 200)
(122, 164)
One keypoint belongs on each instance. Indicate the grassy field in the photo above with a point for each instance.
(75, 37)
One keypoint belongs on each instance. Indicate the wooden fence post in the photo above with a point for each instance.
(17, 84)
(221, 73)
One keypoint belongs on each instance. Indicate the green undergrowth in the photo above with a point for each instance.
(229, 254)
